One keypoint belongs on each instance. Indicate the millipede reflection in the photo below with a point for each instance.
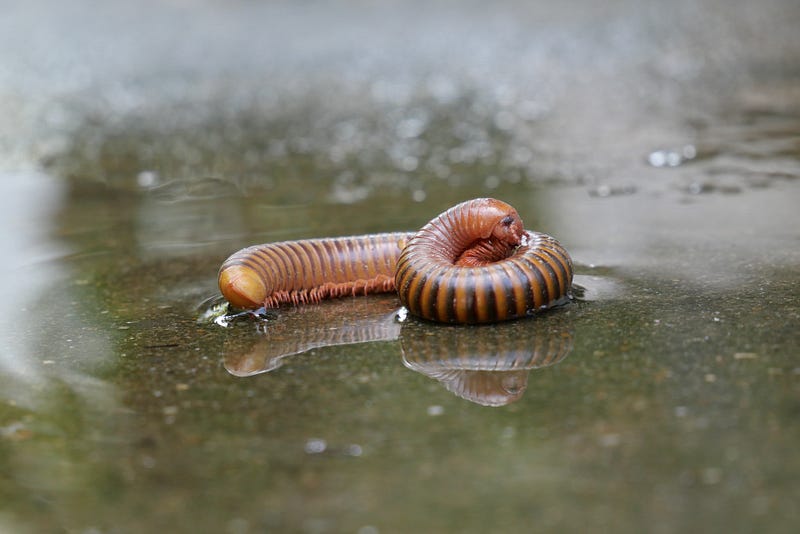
(487, 366)
(474, 263)
(306, 328)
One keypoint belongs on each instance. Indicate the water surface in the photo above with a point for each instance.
(660, 145)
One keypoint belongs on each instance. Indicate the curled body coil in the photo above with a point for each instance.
(474, 263)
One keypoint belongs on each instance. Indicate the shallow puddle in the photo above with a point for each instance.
(661, 146)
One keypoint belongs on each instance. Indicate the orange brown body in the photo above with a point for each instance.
(474, 263)
(309, 270)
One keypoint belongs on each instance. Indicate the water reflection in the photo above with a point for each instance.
(297, 330)
(487, 365)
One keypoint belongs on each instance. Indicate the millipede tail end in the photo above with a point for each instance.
(242, 286)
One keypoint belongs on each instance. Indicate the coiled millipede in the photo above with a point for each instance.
(474, 263)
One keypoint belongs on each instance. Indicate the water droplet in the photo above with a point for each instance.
(671, 158)
(657, 158)
(354, 450)
(147, 179)
(315, 446)
(435, 410)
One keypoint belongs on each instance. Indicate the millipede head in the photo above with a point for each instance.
(507, 224)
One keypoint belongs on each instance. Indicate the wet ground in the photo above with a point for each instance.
(143, 143)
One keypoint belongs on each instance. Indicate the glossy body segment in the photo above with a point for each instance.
(535, 277)
(530, 272)
(311, 270)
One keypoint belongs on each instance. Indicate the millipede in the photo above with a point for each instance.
(474, 263)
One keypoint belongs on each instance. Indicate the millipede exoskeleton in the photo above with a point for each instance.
(474, 263)
(310, 270)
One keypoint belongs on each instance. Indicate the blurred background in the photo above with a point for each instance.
(143, 142)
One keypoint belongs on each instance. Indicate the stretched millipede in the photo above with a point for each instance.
(474, 263)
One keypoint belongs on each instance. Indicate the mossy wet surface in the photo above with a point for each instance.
(664, 397)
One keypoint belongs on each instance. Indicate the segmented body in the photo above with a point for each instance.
(436, 281)
(310, 270)
(475, 263)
